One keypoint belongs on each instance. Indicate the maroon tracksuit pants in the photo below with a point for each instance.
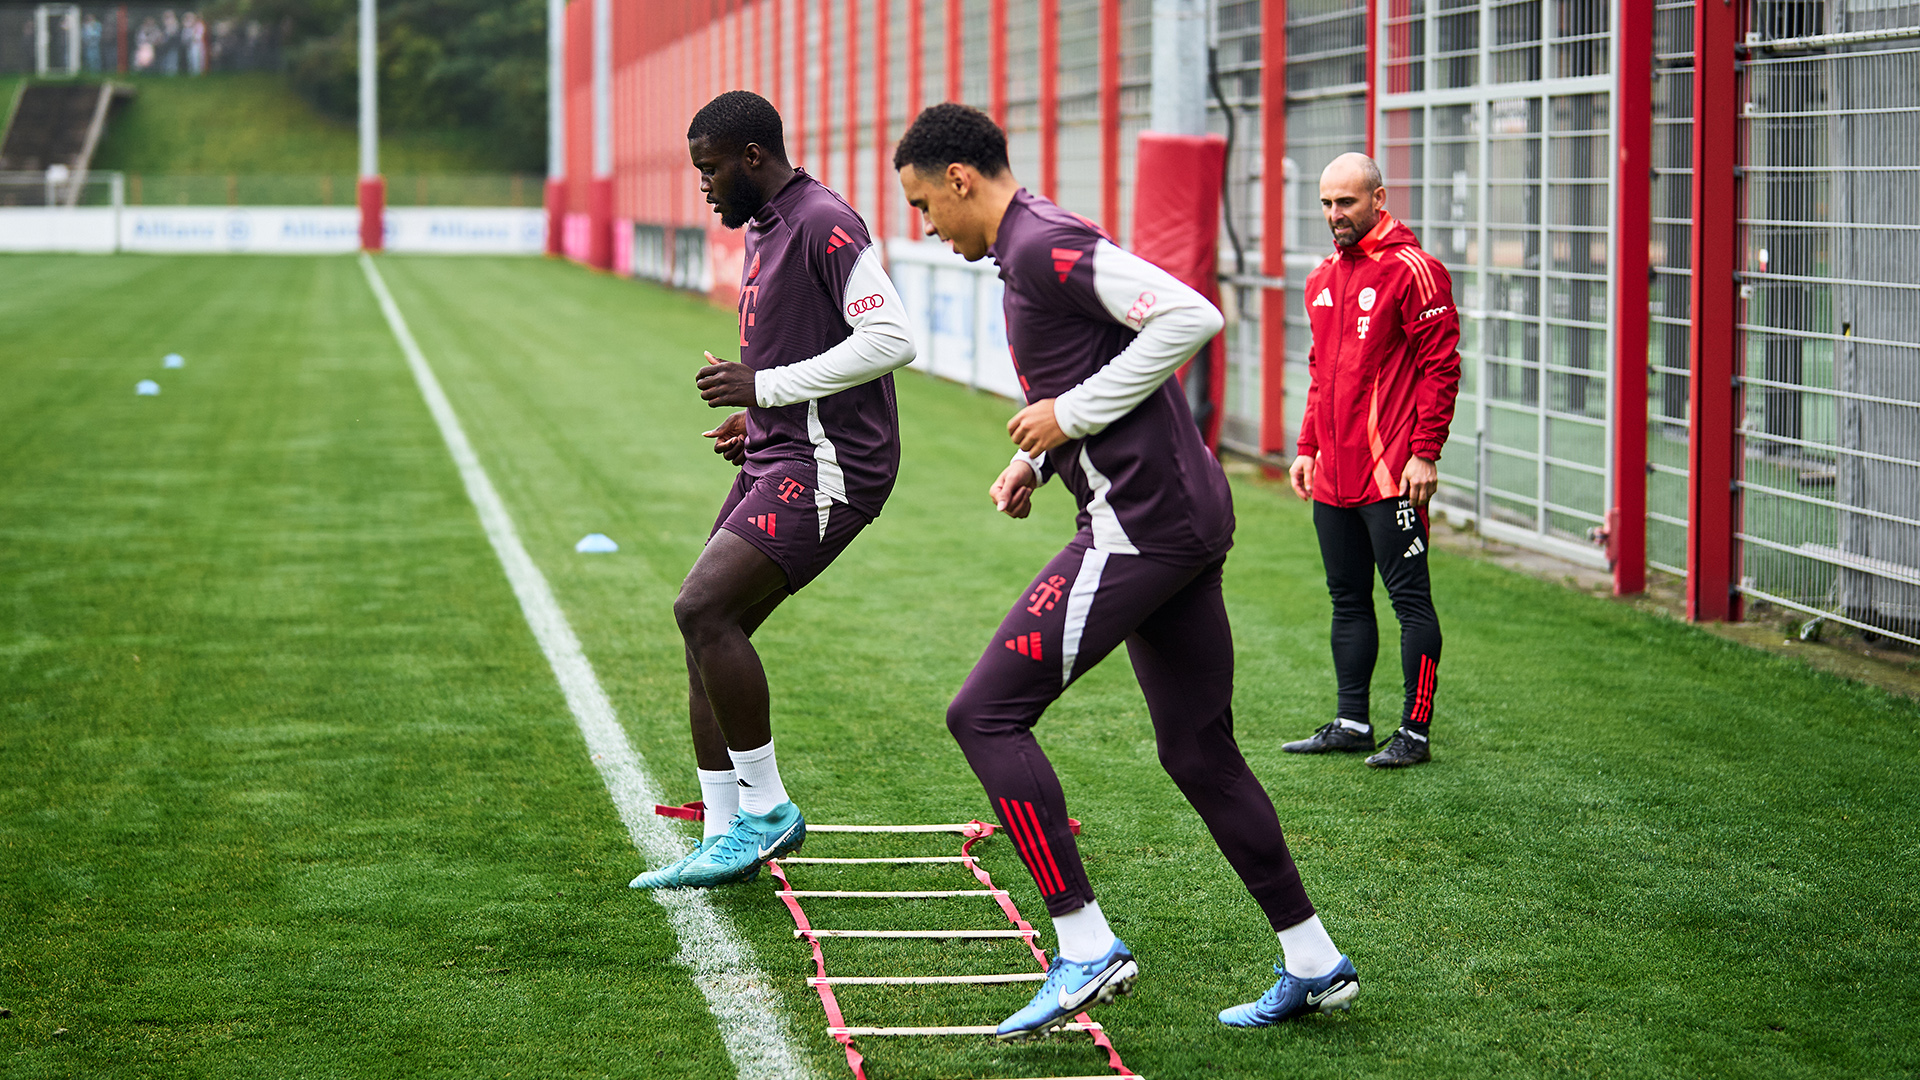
(1174, 623)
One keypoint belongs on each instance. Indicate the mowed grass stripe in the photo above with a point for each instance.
(722, 965)
(1641, 851)
(285, 787)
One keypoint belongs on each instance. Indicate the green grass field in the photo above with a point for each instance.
(286, 787)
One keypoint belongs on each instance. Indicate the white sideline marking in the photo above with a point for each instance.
(722, 965)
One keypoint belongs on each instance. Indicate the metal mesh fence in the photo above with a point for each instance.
(1496, 139)
(1830, 362)
(36, 189)
(1326, 117)
(1237, 65)
(1669, 254)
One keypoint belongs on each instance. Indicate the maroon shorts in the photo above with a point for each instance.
(799, 529)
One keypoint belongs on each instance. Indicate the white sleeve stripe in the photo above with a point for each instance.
(1173, 322)
(881, 342)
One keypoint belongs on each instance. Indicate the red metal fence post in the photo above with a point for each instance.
(1633, 193)
(851, 55)
(1373, 76)
(826, 92)
(1110, 116)
(797, 119)
(916, 75)
(882, 194)
(1273, 233)
(1712, 445)
(997, 60)
(956, 47)
(1050, 99)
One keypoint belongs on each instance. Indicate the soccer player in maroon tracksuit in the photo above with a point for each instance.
(818, 446)
(1385, 368)
(1095, 334)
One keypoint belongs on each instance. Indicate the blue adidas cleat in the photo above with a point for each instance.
(1070, 988)
(668, 876)
(1292, 996)
(750, 840)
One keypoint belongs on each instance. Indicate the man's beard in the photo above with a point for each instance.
(731, 218)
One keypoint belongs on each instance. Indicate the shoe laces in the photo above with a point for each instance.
(1278, 989)
(733, 840)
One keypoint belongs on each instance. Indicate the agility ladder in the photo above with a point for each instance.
(837, 1027)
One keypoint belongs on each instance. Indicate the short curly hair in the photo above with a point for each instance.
(949, 133)
(739, 117)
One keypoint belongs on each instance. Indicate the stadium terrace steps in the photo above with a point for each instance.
(58, 123)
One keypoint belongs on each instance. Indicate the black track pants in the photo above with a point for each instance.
(1390, 536)
(1174, 623)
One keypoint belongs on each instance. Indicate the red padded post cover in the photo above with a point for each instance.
(1176, 226)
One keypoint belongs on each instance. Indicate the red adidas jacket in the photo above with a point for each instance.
(1385, 365)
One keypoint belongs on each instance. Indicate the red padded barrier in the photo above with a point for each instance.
(1176, 226)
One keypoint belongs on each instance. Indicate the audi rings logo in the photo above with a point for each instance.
(865, 303)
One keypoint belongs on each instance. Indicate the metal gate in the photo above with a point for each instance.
(1495, 134)
(1829, 366)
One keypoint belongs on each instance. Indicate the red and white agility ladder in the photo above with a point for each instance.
(837, 1027)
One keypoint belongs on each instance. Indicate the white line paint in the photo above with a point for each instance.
(722, 965)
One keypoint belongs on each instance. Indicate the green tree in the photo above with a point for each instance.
(474, 64)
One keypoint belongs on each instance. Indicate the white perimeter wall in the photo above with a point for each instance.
(957, 316)
(277, 230)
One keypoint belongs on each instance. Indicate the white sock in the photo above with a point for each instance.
(720, 791)
(1355, 725)
(759, 779)
(1084, 935)
(1307, 950)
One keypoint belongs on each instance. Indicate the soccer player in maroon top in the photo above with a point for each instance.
(1095, 333)
(818, 445)
(1385, 368)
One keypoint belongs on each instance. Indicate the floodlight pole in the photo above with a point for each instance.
(373, 188)
(600, 198)
(556, 123)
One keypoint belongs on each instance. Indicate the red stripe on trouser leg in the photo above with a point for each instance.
(1045, 873)
(1008, 815)
(1048, 881)
(1033, 822)
(1423, 691)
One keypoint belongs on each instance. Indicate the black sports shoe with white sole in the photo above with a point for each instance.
(1405, 748)
(1334, 738)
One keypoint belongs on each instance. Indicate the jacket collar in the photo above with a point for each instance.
(1371, 245)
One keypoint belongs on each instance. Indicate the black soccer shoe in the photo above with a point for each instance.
(1334, 738)
(1405, 748)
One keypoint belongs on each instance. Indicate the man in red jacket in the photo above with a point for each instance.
(1385, 366)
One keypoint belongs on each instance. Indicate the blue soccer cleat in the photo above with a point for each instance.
(1070, 988)
(668, 876)
(750, 840)
(1293, 996)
